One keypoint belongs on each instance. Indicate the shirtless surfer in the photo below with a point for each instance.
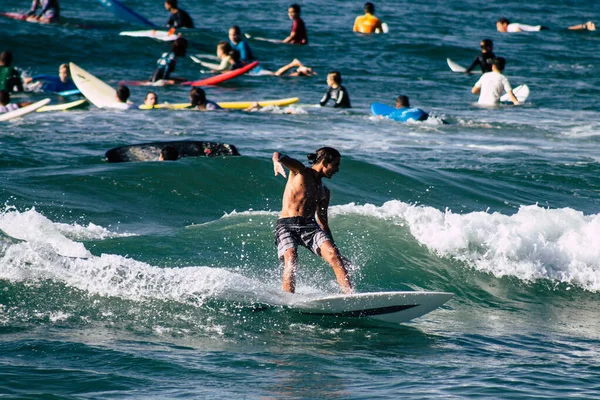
(303, 219)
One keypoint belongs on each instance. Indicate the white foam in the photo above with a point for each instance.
(535, 243)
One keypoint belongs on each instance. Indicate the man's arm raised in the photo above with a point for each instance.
(281, 160)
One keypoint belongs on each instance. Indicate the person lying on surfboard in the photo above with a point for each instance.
(7, 106)
(504, 25)
(367, 23)
(60, 83)
(151, 99)
(200, 102)
(49, 13)
(179, 18)
(298, 33)
(336, 91)
(303, 219)
(485, 60)
(491, 85)
(10, 78)
(166, 64)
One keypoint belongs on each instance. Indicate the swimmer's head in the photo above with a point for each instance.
(402, 101)
(123, 93)
(171, 5)
(197, 97)
(168, 153)
(64, 72)
(151, 99)
(486, 45)
(502, 24)
(235, 34)
(369, 8)
(4, 97)
(223, 49)
(334, 77)
(179, 47)
(294, 11)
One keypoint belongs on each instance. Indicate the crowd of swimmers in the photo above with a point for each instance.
(236, 53)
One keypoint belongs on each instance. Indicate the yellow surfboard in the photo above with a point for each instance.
(232, 105)
(65, 106)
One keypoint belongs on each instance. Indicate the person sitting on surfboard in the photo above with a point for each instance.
(7, 106)
(60, 83)
(298, 33)
(50, 11)
(122, 98)
(504, 25)
(165, 65)
(367, 23)
(200, 102)
(485, 60)
(10, 79)
(303, 220)
(491, 85)
(336, 91)
(238, 43)
(179, 18)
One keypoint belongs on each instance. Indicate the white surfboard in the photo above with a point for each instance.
(63, 106)
(395, 307)
(23, 110)
(459, 68)
(97, 92)
(521, 92)
(384, 28)
(165, 36)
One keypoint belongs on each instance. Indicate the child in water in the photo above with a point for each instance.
(336, 91)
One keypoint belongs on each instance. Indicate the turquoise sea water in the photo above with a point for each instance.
(145, 280)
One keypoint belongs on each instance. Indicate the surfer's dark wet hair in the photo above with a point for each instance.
(325, 154)
(179, 47)
(172, 3)
(369, 8)
(337, 77)
(169, 153)
(6, 58)
(225, 46)
(123, 93)
(236, 29)
(487, 43)
(296, 8)
(500, 62)
(4, 97)
(402, 101)
(197, 97)
(504, 21)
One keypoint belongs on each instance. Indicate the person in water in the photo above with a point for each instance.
(151, 99)
(122, 99)
(336, 91)
(49, 13)
(10, 78)
(303, 220)
(405, 113)
(238, 43)
(60, 83)
(6, 105)
(168, 153)
(504, 25)
(179, 18)
(301, 69)
(166, 64)
(298, 33)
(367, 23)
(200, 102)
(485, 60)
(491, 85)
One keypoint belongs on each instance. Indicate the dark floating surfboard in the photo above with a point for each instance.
(185, 148)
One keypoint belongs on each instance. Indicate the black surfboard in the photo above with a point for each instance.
(185, 148)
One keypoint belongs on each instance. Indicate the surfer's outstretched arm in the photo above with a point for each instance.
(281, 160)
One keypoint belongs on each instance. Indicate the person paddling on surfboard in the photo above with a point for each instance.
(303, 219)
(60, 83)
(367, 23)
(485, 60)
(504, 25)
(179, 18)
(298, 33)
(50, 11)
(166, 64)
(491, 85)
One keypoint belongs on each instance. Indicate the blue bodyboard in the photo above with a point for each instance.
(381, 109)
(125, 13)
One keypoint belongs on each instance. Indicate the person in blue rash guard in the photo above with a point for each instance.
(50, 11)
(239, 44)
(404, 113)
(60, 83)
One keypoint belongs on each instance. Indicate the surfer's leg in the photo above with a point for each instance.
(290, 258)
(332, 256)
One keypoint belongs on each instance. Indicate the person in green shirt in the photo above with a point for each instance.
(9, 76)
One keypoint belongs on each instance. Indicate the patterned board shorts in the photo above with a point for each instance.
(294, 231)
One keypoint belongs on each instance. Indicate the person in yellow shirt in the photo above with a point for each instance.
(367, 23)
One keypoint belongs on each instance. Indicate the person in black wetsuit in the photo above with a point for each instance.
(179, 18)
(165, 65)
(485, 60)
(336, 91)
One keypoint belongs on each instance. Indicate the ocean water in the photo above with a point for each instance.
(146, 280)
